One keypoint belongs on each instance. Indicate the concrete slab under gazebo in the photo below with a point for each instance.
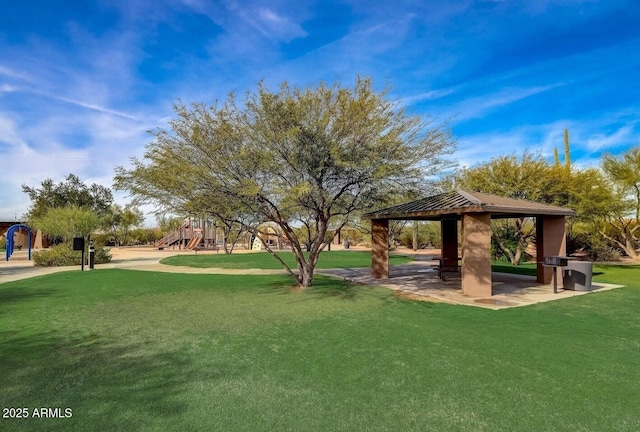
(475, 211)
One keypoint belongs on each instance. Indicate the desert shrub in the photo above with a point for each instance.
(599, 250)
(56, 256)
(102, 255)
(100, 239)
(591, 246)
(64, 255)
(604, 253)
(144, 236)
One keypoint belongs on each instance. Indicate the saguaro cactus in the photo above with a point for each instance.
(567, 158)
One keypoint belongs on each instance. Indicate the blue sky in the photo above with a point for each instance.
(81, 82)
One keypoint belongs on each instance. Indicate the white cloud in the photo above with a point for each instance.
(29, 166)
(91, 106)
(270, 24)
(196, 5)
(367, 50)
(41, 149)
(8, 133)
(479, 106)
(6, 88)
(478, 149)
(587, 142)
(4, 70)
(429, 95)
(603, 142)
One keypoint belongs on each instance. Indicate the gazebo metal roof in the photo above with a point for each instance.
(453, 204)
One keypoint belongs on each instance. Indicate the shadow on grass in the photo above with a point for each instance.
(17, 294)
(322, 287)
(328, 287)
(511, 269)
(333, 287)
(107, 385)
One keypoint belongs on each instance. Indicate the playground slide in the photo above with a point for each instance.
(193, 243)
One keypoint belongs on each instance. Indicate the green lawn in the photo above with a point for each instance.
(528, 269)
(141, 351)
(264, 260)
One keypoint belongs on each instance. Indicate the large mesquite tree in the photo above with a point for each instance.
(320, 153)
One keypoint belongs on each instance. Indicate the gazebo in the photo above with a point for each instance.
(475, 210)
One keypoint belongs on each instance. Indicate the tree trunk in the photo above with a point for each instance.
(628, 239)
(517, 257)
(225, 237)
(306, 267)
(305, 278)
(506, 250)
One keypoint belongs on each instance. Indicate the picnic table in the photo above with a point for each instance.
(442, 268)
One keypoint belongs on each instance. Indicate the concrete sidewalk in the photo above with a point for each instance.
(420, 281)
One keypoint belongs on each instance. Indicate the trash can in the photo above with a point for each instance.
(576, 276)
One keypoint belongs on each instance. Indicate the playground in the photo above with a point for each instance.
(18, 236)
(203, 234)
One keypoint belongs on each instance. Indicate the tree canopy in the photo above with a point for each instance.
(72, 191)
(316, 154)
(66, 222)
(532, 178)
(119, 221)
(519, 178)
(623, 172)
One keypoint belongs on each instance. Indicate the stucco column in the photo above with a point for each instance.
(449, 242)
(476, 254)
(551, 240)
(379, 248)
